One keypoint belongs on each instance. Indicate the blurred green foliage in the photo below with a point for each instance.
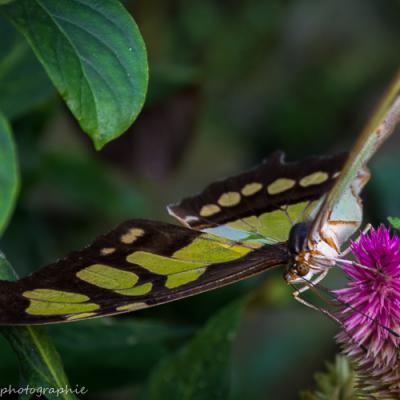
(231, 81)
(201, 369)
(337, 383)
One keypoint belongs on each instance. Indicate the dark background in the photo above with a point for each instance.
(230, 82)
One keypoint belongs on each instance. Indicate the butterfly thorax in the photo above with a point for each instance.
(309, 255)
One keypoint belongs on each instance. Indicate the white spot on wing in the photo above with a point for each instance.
(191, 218)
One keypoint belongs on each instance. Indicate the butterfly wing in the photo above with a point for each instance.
(139, 264)
(143, 263)
(262, 203)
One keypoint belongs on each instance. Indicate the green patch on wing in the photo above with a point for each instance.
(202, 252)
(190, 262)
(274, 226)
(182, 278)
(108, 277)
(211, 249)
(137, 290)
(55, 302)
(162, 265)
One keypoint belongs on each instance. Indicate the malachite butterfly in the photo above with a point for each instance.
(296, 214)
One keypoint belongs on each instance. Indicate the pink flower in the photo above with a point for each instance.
(371, 311)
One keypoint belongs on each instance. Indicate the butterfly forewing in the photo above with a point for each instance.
(139, 264)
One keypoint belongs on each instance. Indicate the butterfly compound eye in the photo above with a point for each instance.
(302, 269)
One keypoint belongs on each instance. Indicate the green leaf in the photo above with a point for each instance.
(9, 178)
(23, 81)
(40, 365)
(7, 272)
(95, 56)
(395, 222)
(201, 369)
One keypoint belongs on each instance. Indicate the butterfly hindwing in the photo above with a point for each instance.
(272, 184)
(139, 264)
(265, 201)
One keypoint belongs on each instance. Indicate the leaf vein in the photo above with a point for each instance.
(100, 40)
(64, 34)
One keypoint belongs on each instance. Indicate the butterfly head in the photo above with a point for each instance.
(297, 268)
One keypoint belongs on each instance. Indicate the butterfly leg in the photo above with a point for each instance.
(309, 283)
(298, 298)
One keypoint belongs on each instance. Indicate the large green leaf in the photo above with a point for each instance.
(95, 56)
(39, 363)
(201, 369)
(8, 173)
